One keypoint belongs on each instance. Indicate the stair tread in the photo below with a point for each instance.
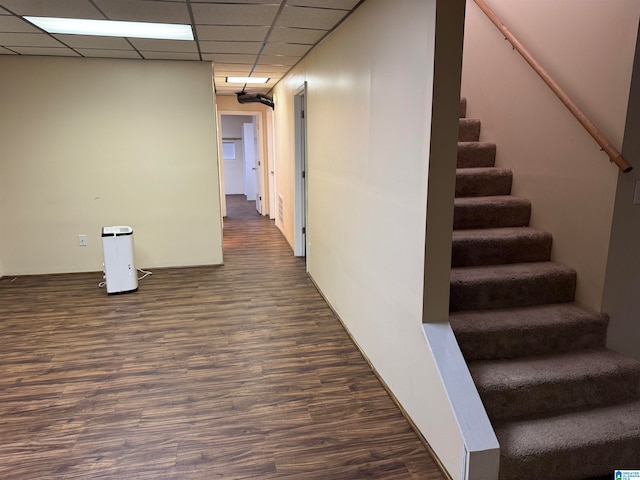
(514, 271)
(576, 366)
(483, 181)
(523, 331)
(495, 211)
(510, 285)
(483, 171)
(469, 130)
(504, 233)
(476, 145)
(535, 437)
(495, 200)
(576, 445)
(524, 319)
(499, 246)
(476, 154)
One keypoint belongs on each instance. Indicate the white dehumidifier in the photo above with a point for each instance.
(120, 272)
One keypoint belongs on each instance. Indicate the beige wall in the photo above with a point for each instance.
(587, 46)
(88, 143)
(621, 299)
(369, 88)
(285, 146)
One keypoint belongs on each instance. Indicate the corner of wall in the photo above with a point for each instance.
(622, 282)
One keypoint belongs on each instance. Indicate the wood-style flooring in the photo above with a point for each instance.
(238, 371)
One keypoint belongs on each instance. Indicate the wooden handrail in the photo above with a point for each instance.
(614, 155)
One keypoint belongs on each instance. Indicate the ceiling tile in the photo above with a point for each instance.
(28, 40)
(231, 68)
(277, 60)
(49, 8)
(58, 52)
(169, 55)
(232, 14)
(304, 17)
(157, 45)
(87, 41)
(226, 32)
(271, 70)
(145, 11)
(337, 4)
(230, 47)
(11, 24)
(285, 49)
(100, 53)
(308, 36)
(229, 58)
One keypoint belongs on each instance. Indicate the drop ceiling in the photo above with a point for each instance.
(263, 38)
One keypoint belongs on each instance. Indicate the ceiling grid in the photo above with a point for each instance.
(241, 37)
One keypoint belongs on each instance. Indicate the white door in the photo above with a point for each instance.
(250, 166)
(300, 206)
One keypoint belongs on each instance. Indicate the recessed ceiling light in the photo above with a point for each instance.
(247, 79)
(111, 28)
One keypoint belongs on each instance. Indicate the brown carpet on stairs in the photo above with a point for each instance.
(563, 406)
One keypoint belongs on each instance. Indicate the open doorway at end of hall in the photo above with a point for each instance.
(243, 159)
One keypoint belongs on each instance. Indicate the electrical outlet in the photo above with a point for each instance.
(82, 240)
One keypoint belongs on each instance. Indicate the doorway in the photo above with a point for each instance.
(243, 159)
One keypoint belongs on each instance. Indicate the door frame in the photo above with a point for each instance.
(300, 171)
(271, 165)
(263, 161)
(250, 163)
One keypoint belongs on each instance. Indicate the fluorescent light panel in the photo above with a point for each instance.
(247, 79)
(111, 28)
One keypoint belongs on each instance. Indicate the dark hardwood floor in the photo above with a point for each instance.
(238, 371)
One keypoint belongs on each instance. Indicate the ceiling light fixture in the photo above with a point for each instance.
(111, 28)
(247, 79)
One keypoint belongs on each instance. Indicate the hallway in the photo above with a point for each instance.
(232, 372)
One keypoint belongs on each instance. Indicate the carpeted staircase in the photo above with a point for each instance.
(562, 405)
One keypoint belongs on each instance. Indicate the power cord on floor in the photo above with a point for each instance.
(145, 272)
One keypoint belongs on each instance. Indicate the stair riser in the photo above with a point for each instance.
(483, 185)
(476, 155)
(491, 216)
(476, 252)
(547, 398)
(511, 292)
(463, 107)
(542, 341)
(468, 130)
